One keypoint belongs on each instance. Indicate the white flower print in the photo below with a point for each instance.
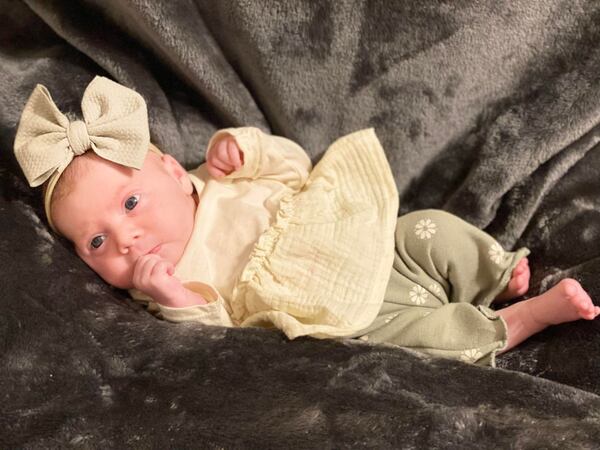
(418, 295)
(435, 289)
(496, 253)
(425, 228)
(470, 356)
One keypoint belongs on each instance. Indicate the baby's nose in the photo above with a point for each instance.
(126, 239)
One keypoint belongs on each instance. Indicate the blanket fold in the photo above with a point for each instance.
(487, 109)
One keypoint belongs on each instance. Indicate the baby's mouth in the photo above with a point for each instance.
(156, 249)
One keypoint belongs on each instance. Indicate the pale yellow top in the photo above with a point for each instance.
(275, 246)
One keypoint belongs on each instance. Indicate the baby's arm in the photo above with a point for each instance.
(262, 156)
(153, 276)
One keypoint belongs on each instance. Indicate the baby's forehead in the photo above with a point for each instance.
(92, 185)
(95, 164)
(90, 172)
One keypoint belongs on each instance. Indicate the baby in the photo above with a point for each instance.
(257, 237)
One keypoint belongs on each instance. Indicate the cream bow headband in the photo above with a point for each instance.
(115, 127)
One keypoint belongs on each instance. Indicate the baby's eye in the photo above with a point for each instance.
(131, 202)
(97, 241)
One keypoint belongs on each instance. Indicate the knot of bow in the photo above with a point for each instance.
(115, 127)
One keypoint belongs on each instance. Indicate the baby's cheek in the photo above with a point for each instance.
(115, 272)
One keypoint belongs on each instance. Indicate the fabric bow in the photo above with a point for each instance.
(115, 127)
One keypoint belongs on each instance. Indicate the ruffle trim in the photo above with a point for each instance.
(264, 247)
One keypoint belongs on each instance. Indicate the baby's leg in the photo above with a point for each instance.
(468, 263)
(565, 302)
(445, 274)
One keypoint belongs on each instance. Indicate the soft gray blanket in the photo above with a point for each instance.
(487, 109)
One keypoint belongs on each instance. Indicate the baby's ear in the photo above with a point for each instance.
(177, 171)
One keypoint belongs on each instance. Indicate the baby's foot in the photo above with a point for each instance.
(565, 302)
(518, 284)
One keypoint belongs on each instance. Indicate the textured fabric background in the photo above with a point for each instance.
(487, 109)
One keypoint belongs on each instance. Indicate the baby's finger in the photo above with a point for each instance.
(149, 267)
(234, 154)
(214, 172)
(222, 149)
(162, 268)
(219, 164)
(143, 268)
(143, 262)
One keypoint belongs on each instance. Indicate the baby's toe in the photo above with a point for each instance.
(583, 303)
(522, 283)
(591, 313)
(590, 308)
(524, 261)
(521, 267)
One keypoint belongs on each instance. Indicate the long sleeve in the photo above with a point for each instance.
(213, 313)
(233, 212)
(267, 157)
(278, 238)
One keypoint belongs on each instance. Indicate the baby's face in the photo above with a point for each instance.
(115, 214)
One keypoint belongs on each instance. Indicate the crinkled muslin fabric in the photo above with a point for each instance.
(314, 261)
(322, 253)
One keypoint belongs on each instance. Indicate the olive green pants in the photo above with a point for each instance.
(446, 273)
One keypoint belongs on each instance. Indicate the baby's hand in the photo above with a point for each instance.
(224, 157)
(153, 276)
